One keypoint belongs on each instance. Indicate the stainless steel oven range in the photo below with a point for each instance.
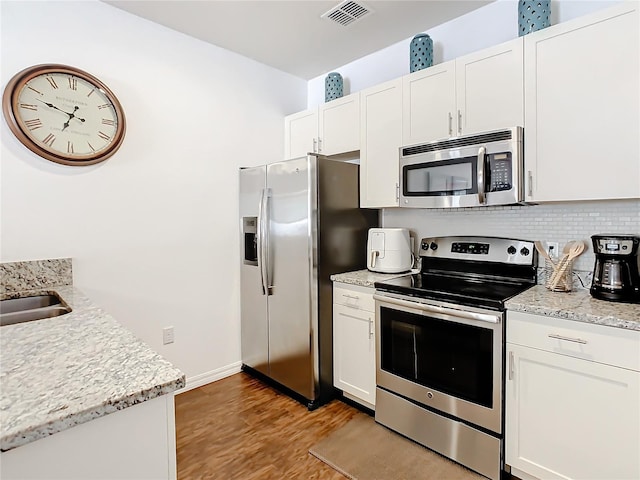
(440, 346)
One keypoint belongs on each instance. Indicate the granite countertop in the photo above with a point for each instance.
(364, 278)
(63, 371)
(578, 305)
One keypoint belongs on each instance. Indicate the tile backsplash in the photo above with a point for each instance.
(553, 222)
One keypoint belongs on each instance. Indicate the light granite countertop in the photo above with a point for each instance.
(364, 278)
(577, 305)
(63, 371)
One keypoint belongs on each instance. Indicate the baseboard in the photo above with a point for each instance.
(211, 376)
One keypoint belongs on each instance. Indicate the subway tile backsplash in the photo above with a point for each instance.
(556, 222)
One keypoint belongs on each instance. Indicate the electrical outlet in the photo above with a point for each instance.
(167, 335)
(552, 249)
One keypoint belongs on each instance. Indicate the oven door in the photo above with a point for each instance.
(442, 357)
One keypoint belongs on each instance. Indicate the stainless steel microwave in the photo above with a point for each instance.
(470, 171)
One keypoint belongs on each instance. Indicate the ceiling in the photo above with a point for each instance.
(291, 35)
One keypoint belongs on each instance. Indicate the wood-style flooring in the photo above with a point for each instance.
(240, 428)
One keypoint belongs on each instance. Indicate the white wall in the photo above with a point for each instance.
(490, 25)
(153, 231)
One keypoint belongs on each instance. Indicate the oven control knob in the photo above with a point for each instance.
(434, 246)
(429, 394)
(424, 246)
(511, 250)
(524, 251)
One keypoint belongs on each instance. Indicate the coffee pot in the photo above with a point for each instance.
(615, 274)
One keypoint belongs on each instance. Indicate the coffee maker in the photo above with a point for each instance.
(615, 274)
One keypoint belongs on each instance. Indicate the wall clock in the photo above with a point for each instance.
(64, 114)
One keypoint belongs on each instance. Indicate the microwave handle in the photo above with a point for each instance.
(481, 173)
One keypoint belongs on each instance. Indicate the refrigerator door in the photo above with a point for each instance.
(292, 304)
(253, 309)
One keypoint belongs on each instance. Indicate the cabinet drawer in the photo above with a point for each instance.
(354, 296)
(609, 345)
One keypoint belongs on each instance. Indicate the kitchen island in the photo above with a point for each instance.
(82, 370)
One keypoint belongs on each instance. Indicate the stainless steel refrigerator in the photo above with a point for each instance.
(300, 223)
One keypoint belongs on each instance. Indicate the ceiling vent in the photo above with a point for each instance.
(347, 12)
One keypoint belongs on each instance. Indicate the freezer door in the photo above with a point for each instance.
(253, 309)
(290, 269)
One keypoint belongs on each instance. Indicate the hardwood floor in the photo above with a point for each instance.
(240, 428)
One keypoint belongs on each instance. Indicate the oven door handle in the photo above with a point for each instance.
(482, 317)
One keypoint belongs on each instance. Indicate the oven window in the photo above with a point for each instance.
(446, 177)
(453, 358)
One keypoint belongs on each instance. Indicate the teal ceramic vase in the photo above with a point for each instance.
(533, 15)
(333, 86)
(420, 52)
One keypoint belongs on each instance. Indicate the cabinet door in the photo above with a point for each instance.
(354, 369)
(300, 133)
(571, 418)
(429, 104)
(380, 141)
(581, 108)
(339, 126)
(490, 89)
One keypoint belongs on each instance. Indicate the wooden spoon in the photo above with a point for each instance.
(576, 249)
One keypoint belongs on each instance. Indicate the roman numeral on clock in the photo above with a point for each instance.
(104, 136)
(69, 147)
(28, 106)
(73, 83)
(106, 121)
(52, 82)
(49, 139)
(33, 124)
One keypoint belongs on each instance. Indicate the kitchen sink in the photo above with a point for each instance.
(27, 309)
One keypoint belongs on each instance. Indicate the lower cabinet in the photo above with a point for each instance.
(572, 399)
(354, 360)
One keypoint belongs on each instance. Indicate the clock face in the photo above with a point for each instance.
(64, 114)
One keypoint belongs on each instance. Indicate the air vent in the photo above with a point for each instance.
(347, 13)
(457, 142)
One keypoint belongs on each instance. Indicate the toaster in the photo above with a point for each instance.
(389, 250)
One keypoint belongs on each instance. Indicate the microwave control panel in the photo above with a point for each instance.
(500, 174)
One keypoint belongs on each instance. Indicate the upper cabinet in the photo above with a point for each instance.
(329, 129)
(479, 92)
(380, 141)
(581, 104)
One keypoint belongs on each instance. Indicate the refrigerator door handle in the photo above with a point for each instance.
(267, 238)
(261, 241)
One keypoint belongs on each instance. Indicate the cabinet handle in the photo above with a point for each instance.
(511, 362)
(355, 297)
(319, 145)
(397, 192)
(450, 125)
(370, 327)
(568, 339)
(314, 146)
(459, 122)
(530, 180)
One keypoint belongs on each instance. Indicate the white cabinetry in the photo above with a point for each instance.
(572, 396)
(479, 92)
(581, 104)
(354, 360)
(380, 141)
(329, 129)
(135, 442)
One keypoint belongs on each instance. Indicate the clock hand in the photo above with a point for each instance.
(52, 106)
(71, 115)
(65, 125)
